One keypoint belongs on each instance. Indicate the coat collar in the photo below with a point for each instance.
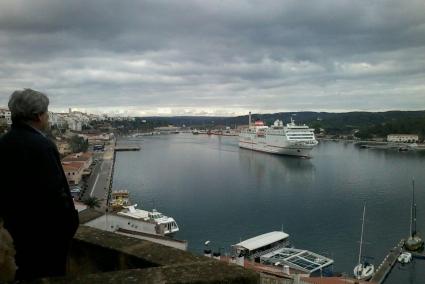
(22, 125)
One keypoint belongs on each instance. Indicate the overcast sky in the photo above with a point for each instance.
(215, 57)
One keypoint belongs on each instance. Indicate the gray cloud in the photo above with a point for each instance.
(215, 57)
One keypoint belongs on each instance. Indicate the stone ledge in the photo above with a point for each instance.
(208, 272)
(104, 257)
(96, 251)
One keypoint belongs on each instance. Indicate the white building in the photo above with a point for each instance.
(404, 138)
(73, 171)
(167, 129)
(5, 113)
(86, 159)
(97, 138)
(74, 124)
(57, 119)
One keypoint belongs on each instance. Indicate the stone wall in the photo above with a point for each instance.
(104, 257)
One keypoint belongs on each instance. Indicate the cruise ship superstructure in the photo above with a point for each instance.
(291, 139)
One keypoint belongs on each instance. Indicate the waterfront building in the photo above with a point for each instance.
(86, 159)
(167, 129)
(73, 172)
(97, 138)
(403, 138)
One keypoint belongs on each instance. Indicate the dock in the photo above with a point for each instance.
(387, 264)
(419, 255)
(127, 148)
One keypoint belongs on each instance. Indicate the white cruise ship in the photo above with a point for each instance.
(292, 139)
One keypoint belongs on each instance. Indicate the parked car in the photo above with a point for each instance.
(75, 189)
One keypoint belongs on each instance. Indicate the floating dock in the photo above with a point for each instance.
(127, 148)
(387, 264)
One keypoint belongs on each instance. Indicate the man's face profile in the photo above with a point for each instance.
(44, 120)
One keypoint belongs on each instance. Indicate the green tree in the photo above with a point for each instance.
(92, 202)
(78, 144)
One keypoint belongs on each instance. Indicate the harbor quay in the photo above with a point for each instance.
(99, 183)
(387, 264)
(127, 148)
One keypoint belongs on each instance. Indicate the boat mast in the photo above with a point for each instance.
(413, 212)
(361, 236)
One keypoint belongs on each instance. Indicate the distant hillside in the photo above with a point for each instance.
(369, 123)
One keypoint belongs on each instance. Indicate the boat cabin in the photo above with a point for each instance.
(255, 247)
(301, 260)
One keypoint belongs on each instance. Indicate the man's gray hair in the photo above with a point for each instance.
(25, 105)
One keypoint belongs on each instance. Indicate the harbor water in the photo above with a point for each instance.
(221, 193)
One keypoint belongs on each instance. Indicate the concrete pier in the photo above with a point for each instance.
(387, 264)
(127, 148)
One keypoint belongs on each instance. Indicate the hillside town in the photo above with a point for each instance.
(77, 141)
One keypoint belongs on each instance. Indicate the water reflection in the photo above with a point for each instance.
(276, 167)
(411, 273)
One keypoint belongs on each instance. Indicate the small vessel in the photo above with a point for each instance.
(151, 222)
(119, 198)
(274, 251)
(414, 242)
(405, 257)
(363, 270)
(292, 139)
(166, 225)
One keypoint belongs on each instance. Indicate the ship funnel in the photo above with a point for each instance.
(249, 123)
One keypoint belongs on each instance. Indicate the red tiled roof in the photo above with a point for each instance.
(72, 166)
(82, 157)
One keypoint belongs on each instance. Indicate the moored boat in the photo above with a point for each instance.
(138, 220)
(363, 270)
(119, 198)
(166, 225)
(414, 242)
(405, 257)
(273, 252)
(291, 139)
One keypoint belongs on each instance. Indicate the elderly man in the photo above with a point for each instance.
(35, 201)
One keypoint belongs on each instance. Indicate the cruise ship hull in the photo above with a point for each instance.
(290, 150)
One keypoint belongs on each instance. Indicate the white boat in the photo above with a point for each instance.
(274, 249)
(363, 270)
(292, 139)
(414, 242)
(164, 224)
(405, 257)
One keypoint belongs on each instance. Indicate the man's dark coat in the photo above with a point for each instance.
(35, 202)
